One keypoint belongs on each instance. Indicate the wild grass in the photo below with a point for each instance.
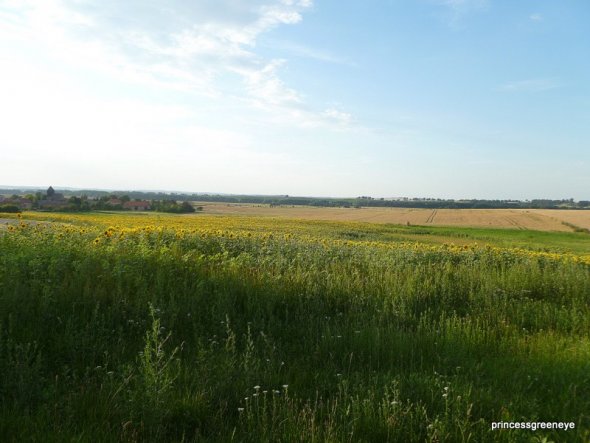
(243, 334)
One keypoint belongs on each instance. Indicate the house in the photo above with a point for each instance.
(53, 204)
(114, 202)
(24, 203)
(137, 206)
(53, 200)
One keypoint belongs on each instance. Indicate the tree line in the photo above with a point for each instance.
(168, 202)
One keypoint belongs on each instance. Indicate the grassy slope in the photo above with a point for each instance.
(373, 345)
(575, 242)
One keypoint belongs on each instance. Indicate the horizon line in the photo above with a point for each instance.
(284, 195)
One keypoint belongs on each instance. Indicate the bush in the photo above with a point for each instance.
(173, 207)
(9, 209)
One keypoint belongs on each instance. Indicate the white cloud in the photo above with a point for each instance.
(116, 87)
(536, 17)
(307, 52)
(266, 88)
(190, 47)
(530, 85)
(464, 5)
(456, 10)
(344, 118)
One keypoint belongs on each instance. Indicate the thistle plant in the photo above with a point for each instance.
(157, 368)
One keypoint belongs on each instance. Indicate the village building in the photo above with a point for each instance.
(53, 200)
(137, 205)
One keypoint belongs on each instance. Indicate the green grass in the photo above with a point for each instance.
(575, 242)
(157, 337)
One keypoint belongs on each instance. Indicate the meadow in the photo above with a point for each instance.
(144, 327)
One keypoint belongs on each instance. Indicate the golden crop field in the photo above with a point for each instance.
(577, 218)
(535, 219)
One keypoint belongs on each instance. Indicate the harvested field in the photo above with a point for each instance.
(536, 219)
(576, 218)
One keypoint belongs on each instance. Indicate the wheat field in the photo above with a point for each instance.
(536, 219)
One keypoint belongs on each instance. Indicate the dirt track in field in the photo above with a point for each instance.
(4, 222)
(537, 219)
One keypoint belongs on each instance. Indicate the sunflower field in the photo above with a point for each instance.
(195, 328)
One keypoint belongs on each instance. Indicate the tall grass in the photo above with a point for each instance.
(166, 335)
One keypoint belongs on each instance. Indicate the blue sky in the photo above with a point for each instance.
(426, 98)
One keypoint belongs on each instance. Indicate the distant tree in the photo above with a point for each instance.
(172, 206)
(76, 202)
(187, 207)
(9, 208)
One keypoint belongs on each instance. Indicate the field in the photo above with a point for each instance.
(535, 219)
(272, 328)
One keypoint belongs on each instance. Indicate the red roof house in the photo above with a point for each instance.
(137, 206)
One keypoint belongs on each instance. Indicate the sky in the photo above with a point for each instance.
(390, 98)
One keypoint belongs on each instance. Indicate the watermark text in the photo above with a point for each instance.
(533, 425)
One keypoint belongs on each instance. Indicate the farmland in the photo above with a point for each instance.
(535, 219)
(275, 325)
